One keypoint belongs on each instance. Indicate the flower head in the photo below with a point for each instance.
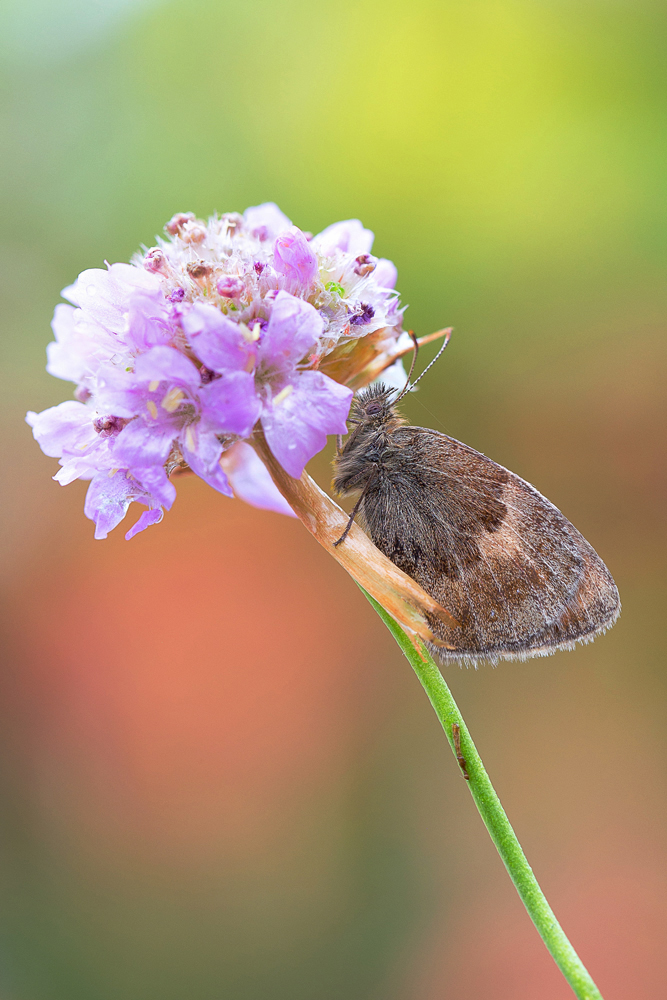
(223, 327)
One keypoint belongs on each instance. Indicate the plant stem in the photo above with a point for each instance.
(491, 810)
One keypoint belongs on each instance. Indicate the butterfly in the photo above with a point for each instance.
(519, 579)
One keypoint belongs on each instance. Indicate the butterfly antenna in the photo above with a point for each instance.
(414, 353)
(409, 387)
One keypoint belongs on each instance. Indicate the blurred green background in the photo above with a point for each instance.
(218, 777)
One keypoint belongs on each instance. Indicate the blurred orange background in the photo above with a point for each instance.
(218, 776)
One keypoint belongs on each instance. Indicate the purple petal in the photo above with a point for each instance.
(202, 450)
(294, 328)
(218, 341)
(109, 496)
(214, 477)
(103, 295)
(148, 321)
(147, 518)
(141, 445)
(156, 482)
(297, 425)
(265, 221)
(385, 274)
(76, 468)
(250, 480)
(293, 257)
(68, 356)
(62, 428)
(230, 404)
(348, 237)
(166, 364)
(120, 393)
(107, 500)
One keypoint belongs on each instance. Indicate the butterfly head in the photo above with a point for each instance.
(374, 407)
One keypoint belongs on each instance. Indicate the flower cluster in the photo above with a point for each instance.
(223, 327)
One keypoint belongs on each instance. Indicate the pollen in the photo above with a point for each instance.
(250, 363)
(152, 409)
(190, 439)
(172, 400)
(152, 386)
(283, 394)
(112, 473)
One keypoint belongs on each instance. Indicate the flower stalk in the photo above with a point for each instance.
(369, 567)
(491, 810)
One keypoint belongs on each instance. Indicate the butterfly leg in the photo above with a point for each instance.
(354, 513)
(456, 734)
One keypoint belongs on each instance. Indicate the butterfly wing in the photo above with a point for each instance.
(519, 578)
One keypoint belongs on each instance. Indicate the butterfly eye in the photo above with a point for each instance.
(373, 408)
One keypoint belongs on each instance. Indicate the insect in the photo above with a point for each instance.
(520, 579)
(456, 736)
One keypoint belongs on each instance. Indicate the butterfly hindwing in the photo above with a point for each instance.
(518, 577)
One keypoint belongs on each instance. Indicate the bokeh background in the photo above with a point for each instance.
(218, 777)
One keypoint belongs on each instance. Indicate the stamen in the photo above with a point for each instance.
(251, 335)
(152, 409)
(172, 400)
(152, 386)
(283, 394)
(190, 439)
(250, 363)
(112, 473)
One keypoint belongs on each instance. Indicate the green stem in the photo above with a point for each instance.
(492, 811)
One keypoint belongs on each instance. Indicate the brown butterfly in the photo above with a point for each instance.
(518, 577)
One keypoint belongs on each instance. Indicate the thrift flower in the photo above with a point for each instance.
(224, 328)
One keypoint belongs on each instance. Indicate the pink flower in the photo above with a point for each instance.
(222, 326)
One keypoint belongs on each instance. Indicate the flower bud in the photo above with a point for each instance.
(199, 270)
(232, 222)
(193, 232)
(208, 375)
(177, 221)
(155, 260)
(108, 426)
(230, 286)
(364, 264)
(293, 257)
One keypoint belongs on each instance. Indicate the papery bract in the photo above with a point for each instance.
(348, 237)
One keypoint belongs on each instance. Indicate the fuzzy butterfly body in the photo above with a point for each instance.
(518, 577)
